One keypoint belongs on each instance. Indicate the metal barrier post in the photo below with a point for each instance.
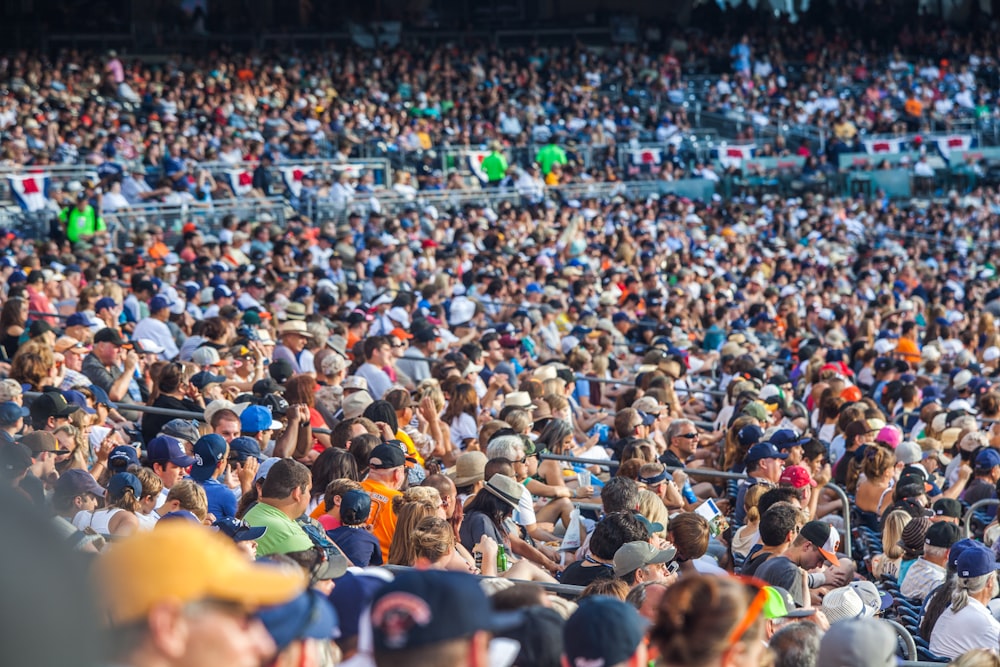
(845, 543)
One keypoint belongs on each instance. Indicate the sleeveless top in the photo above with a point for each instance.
(98, 520)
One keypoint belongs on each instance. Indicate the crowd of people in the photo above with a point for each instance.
(171, 132)
(388, 439)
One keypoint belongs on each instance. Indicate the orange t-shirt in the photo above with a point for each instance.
(382, 517)
(908, 350)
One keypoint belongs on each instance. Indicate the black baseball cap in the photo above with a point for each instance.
(386, 457)
(949, 507)
(943, 534)
(281, 370)
(109, 335)
(51, 404)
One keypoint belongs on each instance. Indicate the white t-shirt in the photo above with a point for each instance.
(524, 515)
(463, 427)
(971, 628)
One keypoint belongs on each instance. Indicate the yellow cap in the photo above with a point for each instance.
(184, 562)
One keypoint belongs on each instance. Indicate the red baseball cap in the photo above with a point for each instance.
(796, 476)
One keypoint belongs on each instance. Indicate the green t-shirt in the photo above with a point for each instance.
(548, 155)
(283, 535)
(81, 223)
(495, 167)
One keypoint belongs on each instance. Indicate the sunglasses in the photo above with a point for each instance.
(687, 436)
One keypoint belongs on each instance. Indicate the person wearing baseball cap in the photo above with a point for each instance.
(815, 544)
(76, 491)
(210, 460)
(155, 328)
(386, 475)
(257, 422)
(799, 478)
(764, 463)
(432, 617)
(169, 461)
(605, 631)
(636, 562)
(967, 624)
(106, 368)
(302, 629)
(985, 477)
(359, 545)
(243, 534)
(50, 411)
(930, 569)
(948, 510)
(185, 596)
(11, 420)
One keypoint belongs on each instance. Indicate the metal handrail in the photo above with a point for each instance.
(845, 543)
(904, 634)
(969, 513)
(164, 412)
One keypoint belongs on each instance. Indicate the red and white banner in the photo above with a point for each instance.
(475, 161)
(240, 180)
(733, 156)
(876, 146)
(644, 157)
(292, 176)
(953, 142)
(30, 190)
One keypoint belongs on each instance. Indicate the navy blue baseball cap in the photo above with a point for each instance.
(244, 448)
(122, 457)
(208, 451)
(121, 481)
(164, 449)
(764, 450)
(76, 398)
(355, 506)
(158, 303)
(750, 435)
(603, 631)
(350, 597)
(100, 396)
(784, 438)
(10, 412)
(307, 616)
(975, 562)
(104, 302)
(239, 530)
(427, 607)
(78, 320)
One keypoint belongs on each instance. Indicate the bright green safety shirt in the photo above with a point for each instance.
(81, 223)
(495, 166)
(548, 155)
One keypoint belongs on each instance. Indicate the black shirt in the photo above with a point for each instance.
(152, 424)
(669, 459)
(578, 575)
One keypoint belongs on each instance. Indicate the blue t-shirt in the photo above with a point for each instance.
(359, 545)
(221, 501)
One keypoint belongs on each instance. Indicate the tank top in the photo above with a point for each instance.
(98, 520)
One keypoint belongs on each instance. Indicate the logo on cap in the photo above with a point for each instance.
(396, 614)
